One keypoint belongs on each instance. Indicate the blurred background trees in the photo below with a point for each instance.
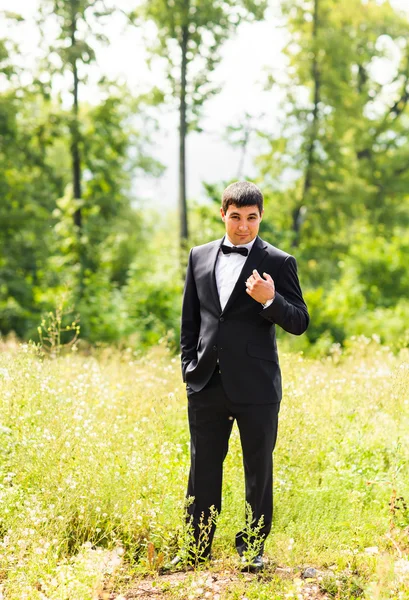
(334, 171)
(345, 140)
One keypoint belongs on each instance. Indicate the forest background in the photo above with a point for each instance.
(332, 159)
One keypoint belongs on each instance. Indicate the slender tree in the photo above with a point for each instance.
(78, 23)
(73, 60)
(190, 34)
(311, 135)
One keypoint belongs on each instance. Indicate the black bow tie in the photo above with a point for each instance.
(231, 249)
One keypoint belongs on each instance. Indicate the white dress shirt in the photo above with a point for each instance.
(228, 269)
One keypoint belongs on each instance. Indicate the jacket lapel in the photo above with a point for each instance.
(211, 269)
(257, 253)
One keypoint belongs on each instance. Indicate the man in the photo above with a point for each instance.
(237, 289)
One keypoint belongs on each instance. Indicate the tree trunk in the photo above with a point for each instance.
(75, 151)
(182, 140)
(300, 209)
(75, 134)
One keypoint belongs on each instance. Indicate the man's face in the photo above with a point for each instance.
(242, 224)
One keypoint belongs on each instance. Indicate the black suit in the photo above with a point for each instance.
(230, 366)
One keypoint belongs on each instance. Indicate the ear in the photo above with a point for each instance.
(223, 214)
(261, 215)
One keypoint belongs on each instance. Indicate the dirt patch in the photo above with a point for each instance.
(210, 585)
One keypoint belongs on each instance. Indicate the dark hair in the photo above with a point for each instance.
(242, 193)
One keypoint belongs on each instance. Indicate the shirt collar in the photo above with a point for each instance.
(227, 242)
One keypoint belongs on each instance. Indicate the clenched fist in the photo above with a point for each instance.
(260, 289)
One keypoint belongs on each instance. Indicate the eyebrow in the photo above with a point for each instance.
(239, 214)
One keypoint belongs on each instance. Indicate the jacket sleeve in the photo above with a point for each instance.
(288, 310)
(190, 322)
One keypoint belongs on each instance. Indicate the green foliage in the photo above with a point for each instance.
(28, 186)
(154, 287)
(335, 175)
(368, 296)
(39, 244)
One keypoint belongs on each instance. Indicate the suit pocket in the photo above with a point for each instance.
(189, 390)
(263, 352)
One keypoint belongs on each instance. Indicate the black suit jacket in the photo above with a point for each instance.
(242, 335)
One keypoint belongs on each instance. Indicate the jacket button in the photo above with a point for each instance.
(221, 319)
(215, 348)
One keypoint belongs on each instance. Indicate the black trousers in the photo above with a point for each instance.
(211, 417)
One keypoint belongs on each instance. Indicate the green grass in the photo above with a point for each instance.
(94, 461)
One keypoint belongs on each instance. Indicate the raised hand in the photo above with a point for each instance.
(260, 289)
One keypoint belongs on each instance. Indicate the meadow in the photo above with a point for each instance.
(94, 453)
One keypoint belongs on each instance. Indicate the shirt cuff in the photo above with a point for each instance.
(267, 304)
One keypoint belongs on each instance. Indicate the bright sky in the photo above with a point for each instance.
(242, 73)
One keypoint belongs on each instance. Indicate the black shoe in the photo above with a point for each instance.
(255, 565)
(178, 562)
(172, 564)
